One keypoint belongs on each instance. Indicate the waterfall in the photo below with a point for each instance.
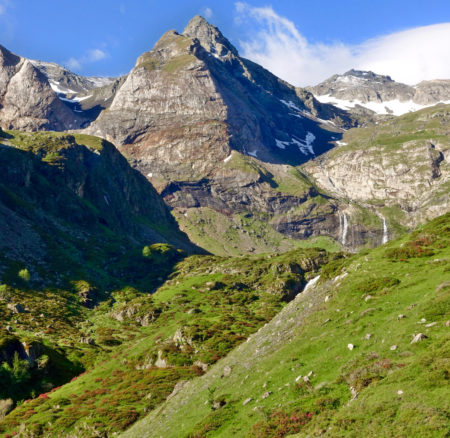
(385, 230)
(343, 227)
(311, 283)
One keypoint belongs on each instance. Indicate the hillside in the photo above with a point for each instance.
(74, 217)
(138, 348)
(362, 352)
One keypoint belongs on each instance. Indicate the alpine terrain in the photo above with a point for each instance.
(199, 249)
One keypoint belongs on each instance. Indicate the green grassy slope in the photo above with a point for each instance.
(142, 345)
(298, 376)
(74, 219)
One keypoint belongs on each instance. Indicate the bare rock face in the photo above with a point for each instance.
(364, 86)
(26, 99)
(403, 163)
(432, 92)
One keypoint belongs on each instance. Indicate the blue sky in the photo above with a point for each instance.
(104, 37)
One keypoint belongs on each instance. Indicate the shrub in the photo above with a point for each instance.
(24, 275)
(280, 424)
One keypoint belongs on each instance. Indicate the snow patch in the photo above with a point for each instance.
(290, 105)
(56, 88)
(253, 153)
(282, 144)
(305, 146)
(395, 106)
(79, 99)
(341, 143)
(228, 158)
(75, 99)
(150, 174)
(64, 99)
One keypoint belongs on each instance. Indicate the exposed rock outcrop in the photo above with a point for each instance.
(27, 100)
(403, 163)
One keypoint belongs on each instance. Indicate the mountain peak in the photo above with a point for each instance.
(368, 75)
(209, 36)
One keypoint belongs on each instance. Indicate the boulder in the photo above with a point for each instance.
(419, 337)
(16, 308)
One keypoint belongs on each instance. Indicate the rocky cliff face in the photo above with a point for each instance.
(380, 93)
(400, 167)
(192, 99)
(27, 100)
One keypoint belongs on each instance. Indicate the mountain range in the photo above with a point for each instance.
(202, 244)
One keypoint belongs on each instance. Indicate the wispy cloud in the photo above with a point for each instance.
(207, 13)
(89, 57)
(408, 56)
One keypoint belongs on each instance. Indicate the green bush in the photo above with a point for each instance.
(24, 274)
(160, 253)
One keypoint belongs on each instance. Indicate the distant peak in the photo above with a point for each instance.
(7, 57)
(209, 36)
(197, 20)
(365, 74)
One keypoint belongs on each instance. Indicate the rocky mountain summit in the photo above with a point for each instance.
(192, 99)
(212, 130)
(379, 93)
(218, 135)
(64, 81)
(27, 100)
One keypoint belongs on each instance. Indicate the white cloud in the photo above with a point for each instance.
(73, 64)
(90, 56)
(96, 55)
(207, 13)
(408, 56)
